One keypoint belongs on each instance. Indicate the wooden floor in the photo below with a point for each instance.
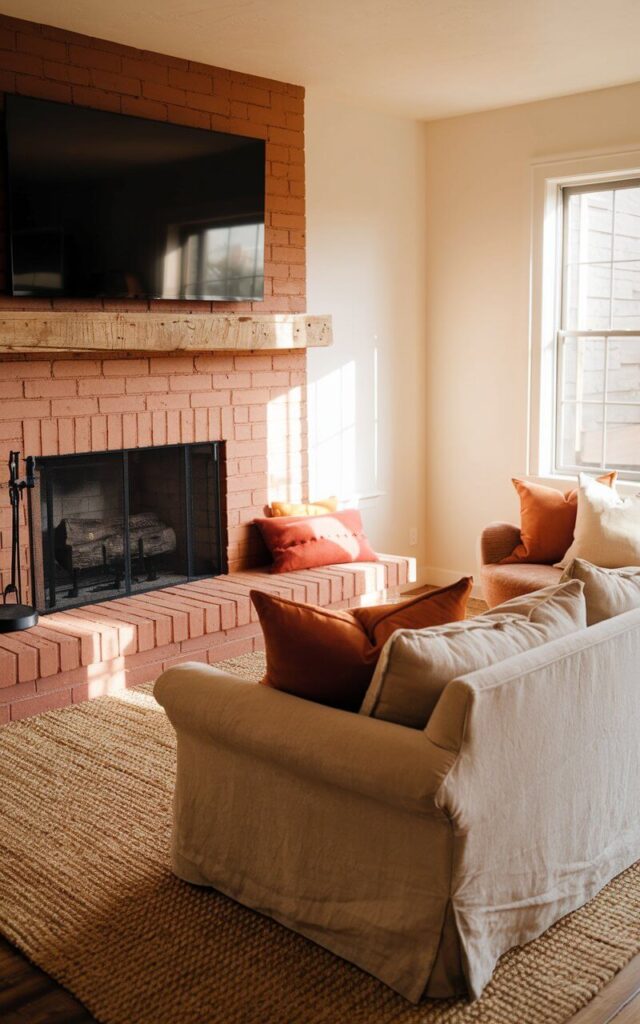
(29, 996)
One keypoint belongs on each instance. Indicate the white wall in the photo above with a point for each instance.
(478, 194)
(366, 266)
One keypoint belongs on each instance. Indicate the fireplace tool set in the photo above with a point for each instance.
(14, 614)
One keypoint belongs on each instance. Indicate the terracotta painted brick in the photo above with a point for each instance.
(144, 425)
(190, 382)
(49, 437)
(146, 70)
(146, 385)
(113, 81)
(192, 118)
(191, 81)
(74, 368)
(208, 398)
(88, 96)
(108, 635)
(176, 615)
(87, 638)
(37, 705)
(173, 426)
(98, 433)
(114, 431)
(121, 403)
(229, 649)
(66, 72)
(129, 430)
(8, 668)
(213, 362)
(95, 387)
(27, 657)
(159, 427)
(250, 396)
(125, 367)
(68, 647)
(89, 57)
(171, 364)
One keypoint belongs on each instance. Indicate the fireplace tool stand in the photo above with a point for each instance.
(16, 615)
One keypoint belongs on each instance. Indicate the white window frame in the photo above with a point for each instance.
(549, 178)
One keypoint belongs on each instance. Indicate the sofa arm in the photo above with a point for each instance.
(498, 541)
(376, 759)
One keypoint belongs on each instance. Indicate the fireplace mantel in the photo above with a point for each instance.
(54, 331)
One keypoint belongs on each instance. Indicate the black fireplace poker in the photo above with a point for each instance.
(14, 614)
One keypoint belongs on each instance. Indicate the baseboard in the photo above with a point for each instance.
(430, 574)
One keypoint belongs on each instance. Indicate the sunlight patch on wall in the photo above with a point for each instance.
(286, 434)
(332, 433)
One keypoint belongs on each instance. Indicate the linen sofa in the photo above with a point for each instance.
(420, 856)
(500, 583)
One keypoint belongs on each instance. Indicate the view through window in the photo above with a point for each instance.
(598, 385)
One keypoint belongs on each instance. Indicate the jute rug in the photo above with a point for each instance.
(87, 894)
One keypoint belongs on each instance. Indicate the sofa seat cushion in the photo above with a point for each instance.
(503, 582)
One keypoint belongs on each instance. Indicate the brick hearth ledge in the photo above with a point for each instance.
(102, 648)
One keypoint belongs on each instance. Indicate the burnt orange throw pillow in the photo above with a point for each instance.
(547, 521)
(307, 542)
(330, 656)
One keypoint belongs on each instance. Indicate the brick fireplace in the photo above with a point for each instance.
(253, 402)
(250, 401)
(57, 399)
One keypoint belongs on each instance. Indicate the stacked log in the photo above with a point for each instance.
(83, 542)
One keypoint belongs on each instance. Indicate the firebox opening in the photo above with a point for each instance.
(112, 524)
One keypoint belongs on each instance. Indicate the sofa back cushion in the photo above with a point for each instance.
(607, 592)
(416, 665)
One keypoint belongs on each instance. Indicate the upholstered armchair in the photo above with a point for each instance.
(500, 581)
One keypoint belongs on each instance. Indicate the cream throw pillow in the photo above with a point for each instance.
(607, 529)
(416, 665)
(608, 592)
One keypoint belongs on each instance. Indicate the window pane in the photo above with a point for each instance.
(626, 244)
(625, 310)
(580, 435)
(623, 437)
(590, 227)
(623, 377)
(583, 369)
(588, 296)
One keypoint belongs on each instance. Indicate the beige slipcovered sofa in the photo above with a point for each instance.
(420, 856)
(501, 583)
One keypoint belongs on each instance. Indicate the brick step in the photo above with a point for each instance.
(100, 648)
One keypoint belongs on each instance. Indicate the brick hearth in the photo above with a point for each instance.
(98, 649)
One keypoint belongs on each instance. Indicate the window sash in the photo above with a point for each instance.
(563, 333)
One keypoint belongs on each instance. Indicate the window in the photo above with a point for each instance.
(597, 416)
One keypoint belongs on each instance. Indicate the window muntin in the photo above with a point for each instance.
(598, 341)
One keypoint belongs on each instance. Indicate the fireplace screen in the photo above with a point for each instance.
(117, 523)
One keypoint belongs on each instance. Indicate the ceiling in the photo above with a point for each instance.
(415, 58)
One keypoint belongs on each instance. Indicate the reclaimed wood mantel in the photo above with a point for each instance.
(52, 331)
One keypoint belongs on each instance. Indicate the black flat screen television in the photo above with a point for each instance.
(106, 205)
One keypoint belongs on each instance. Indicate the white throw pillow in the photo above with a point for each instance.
(607, 527)
(608, 592)
(416, 664)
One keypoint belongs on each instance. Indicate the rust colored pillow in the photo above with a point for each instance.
(307, 542)
(330, 656)
(434, 608)
(547, 521)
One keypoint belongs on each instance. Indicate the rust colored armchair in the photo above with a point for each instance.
(502, 582)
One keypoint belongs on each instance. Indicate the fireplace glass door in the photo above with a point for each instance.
(117, 523)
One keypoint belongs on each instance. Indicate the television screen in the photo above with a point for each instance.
(105, 205)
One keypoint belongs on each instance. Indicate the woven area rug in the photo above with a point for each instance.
(87, 894)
